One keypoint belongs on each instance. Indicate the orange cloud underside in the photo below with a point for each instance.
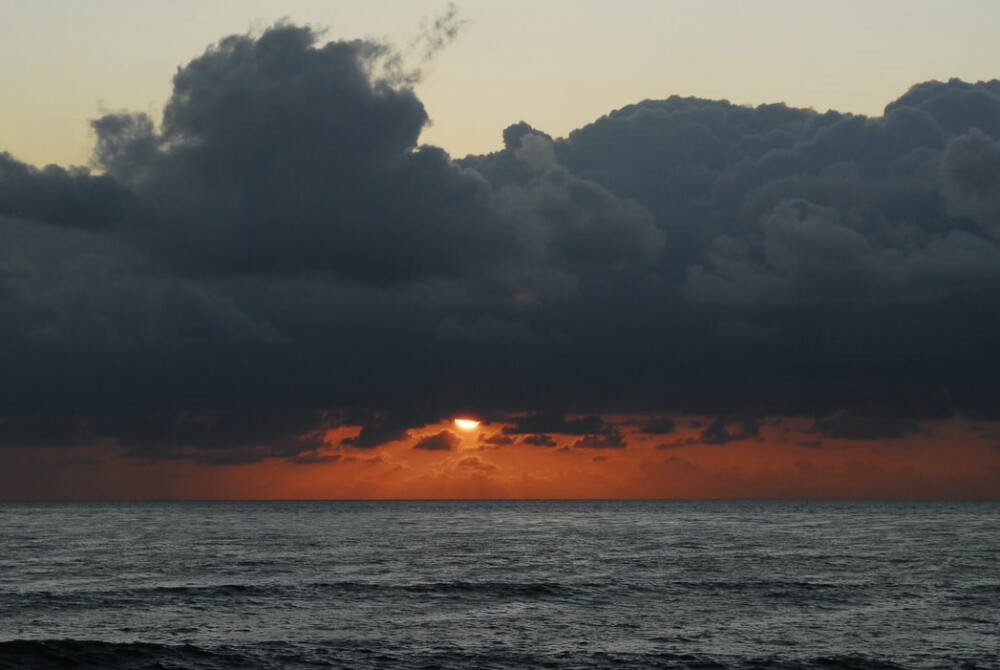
(945, 459)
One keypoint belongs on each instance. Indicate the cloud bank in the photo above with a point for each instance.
(279, 255)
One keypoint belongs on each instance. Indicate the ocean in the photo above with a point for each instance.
(500, 584)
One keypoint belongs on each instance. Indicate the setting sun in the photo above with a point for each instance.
(467, 424)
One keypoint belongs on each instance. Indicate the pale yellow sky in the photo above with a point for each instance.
(557, 64)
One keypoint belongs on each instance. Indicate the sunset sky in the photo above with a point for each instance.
(657, 249)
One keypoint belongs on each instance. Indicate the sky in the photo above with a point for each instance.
(687, 250)
(557, 64)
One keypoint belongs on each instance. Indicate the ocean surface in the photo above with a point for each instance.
(491, 584)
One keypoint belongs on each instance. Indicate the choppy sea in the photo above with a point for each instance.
(500, 584)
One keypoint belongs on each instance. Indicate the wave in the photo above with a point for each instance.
(87, 654)
(488, 589)
(93, 654)
(124, 597)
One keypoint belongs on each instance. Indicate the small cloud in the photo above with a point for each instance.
(723, 432)
(677, 444)
(443, 441)
(613, 440)
(496, 439)
(314, 457)
(475, 463)
(538, 441)
(376, 434)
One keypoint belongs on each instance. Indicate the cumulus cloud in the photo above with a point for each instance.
(970, 172)
(280, 240)
(279, 155)
(59, 196)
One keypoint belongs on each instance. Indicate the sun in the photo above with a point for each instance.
(467, 424)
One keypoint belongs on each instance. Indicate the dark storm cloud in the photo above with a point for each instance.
(209, 436)
(55, 195)
(42, 430)
(276, 155)
(219, 437)
(380, 427)
(376, 433)
(556, 422)
(970, 171)
(443, 441)
(280, 240)
(853, 425)
(955, 105)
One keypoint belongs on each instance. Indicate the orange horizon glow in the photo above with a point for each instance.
(943, 460)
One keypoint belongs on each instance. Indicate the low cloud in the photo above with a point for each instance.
(613, 440)
(538, 440)
(661, 426)
(496, 440)
(722, 431)
(476, 463)
(443, 441)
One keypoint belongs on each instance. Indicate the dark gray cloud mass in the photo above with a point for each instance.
(279, 255)
(557, 422)
(266, 142)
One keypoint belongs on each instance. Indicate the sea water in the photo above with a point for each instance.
(500, 584)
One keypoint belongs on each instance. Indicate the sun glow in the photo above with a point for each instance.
(467, 424)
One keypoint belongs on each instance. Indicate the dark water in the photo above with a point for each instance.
(500, 585)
